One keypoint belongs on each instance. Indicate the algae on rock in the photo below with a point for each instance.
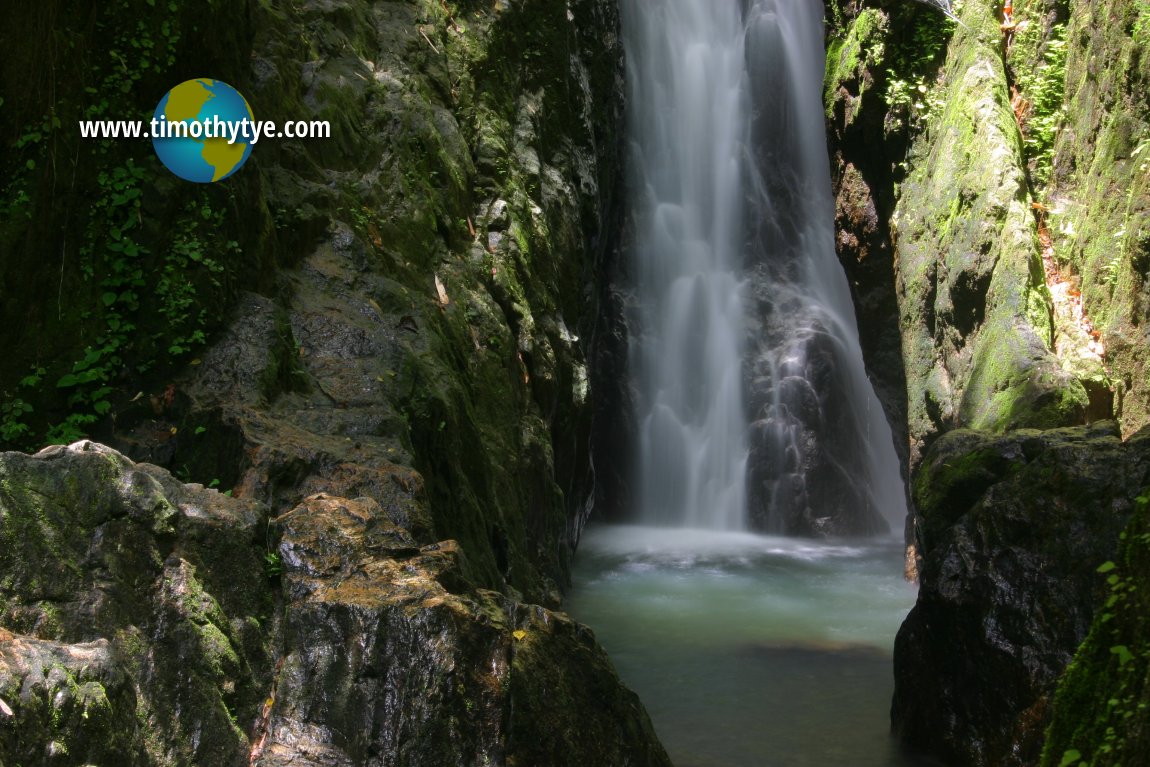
(432, 357)
(974, 304)
(1014, 527)
(1100, 188)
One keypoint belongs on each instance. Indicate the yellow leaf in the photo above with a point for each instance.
(519, 634)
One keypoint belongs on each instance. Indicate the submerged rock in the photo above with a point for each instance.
(148, 622)
(1013, 529)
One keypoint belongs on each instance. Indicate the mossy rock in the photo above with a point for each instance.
(1012, 529)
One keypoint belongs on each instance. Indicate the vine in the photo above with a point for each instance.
(140, 282)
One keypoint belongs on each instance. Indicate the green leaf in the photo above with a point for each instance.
(1123, 653)
(1071, 757)
(1105, 567)
(109, 299)
(67, 380)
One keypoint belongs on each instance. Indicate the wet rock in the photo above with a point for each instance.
(135, 612)
(1014, 527)
(974, 307)
(863, 155)
(422, 344)
(395, 658)
(148, 622)
(65, 703)
(1102, 707)
(799, 482)
(1099, 195)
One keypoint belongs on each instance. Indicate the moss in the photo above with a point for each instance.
(959, 471)
(1010, 389)
(219, 655)
(1104, 187)
(863, 47)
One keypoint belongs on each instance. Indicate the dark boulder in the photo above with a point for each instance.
(1102, 707)
(1013, 529)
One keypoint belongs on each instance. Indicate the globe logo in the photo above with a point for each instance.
(201, 130)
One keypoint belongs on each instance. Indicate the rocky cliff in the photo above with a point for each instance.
(383, 301)
(992, 214)
(378, 340)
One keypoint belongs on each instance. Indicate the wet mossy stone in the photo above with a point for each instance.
(1013, 528)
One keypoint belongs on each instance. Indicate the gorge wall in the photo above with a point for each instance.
(376, 343)
(382, 346)
(993, 209)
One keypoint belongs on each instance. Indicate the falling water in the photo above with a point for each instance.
(754, 405)
(688, 111)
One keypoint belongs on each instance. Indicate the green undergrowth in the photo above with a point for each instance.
(912, 68)
(1102, 706)
(121, 268)
(1037, 59)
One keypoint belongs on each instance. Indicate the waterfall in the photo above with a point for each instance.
(754, 408)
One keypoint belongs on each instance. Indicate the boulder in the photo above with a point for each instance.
(1013, 528)
(148, 622)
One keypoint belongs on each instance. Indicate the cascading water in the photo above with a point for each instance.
(754, 412)
(689, 138)
(745, 315)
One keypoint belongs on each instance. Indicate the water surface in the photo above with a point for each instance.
(749, 650)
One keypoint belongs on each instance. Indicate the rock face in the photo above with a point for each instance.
(1100, 187)
(1100, 710)
(404, 310)
(401, 314)
(960, 156)
(149, 622)
(862, 154)
(1013, 530)
(974, 307)
(137, 613)
(430, 349)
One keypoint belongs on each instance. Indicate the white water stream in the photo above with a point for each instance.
(754, 406)
(754, 412)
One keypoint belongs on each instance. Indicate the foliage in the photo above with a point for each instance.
(1044, 87)
(1141, 29)
(111, 257)
(138, 280)
(912, 69)
(273, 565)
(191, 254)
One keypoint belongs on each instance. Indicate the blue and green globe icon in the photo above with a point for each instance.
(214, 140)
